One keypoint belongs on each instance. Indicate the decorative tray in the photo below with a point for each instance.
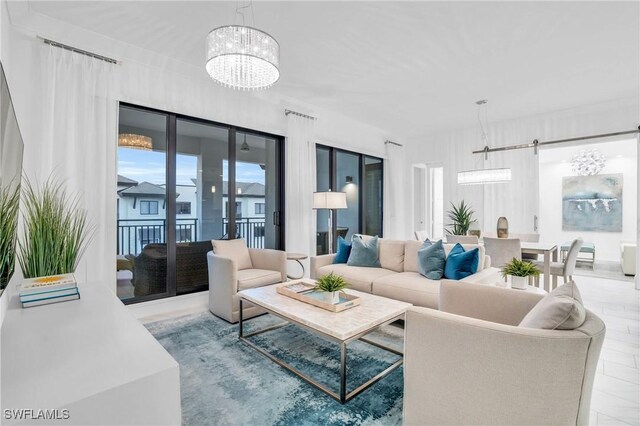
(303, 290)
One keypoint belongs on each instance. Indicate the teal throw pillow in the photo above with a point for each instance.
(344, 250)
(364, 253)
(460, 264)
(431, 260)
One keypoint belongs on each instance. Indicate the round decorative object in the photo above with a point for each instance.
(588, 162)
(242, 57)
(502, 228)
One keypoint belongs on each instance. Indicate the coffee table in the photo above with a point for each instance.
(340, 327)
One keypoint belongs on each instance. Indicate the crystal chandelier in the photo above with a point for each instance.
(133, 141)
(243, 57)
(588, 162)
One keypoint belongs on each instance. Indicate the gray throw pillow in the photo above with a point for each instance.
(364, 253)
(431, 260)
(561, 309)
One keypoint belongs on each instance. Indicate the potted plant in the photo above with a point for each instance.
(9, 208)
(56, 231)
(331, 285)
(519, 272)
(461, 217)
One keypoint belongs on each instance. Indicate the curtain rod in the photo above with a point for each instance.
(299, 114)
(76, 50)
(387, 142)
(536, 143)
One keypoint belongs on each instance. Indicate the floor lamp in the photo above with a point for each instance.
(329, 201)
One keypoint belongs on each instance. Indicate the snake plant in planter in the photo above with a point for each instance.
(331, 285)
(9, 208)
(56, 230)
(461, 217)
(520, 271)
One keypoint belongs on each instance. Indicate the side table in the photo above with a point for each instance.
(297, 257)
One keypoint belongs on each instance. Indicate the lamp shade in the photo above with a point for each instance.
(329, 200)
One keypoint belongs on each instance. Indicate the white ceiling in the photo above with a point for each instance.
(410, 68)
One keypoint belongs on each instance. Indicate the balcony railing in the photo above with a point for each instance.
(134, 234)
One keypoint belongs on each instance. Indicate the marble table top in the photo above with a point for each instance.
(296, 256)
(372, 312)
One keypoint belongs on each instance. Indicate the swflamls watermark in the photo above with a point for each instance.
(36, 414)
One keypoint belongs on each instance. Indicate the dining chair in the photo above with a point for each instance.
(462, 239)
(527, 238)
(562, 269)
(502, 250)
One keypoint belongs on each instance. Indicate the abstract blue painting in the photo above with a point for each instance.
(592, 203)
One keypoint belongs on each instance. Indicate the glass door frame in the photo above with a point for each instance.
(333, 185)
(171, 191)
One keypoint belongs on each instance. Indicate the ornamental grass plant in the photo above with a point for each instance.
(56, 230)
(9, 209)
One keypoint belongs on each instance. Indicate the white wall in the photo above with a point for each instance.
(555, 164)
(518, 199)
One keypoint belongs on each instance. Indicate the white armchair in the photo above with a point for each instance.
(469, 362)
(234, 267)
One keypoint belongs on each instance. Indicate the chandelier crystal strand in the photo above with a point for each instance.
(133, 141)
(588, 162)
(242, 57)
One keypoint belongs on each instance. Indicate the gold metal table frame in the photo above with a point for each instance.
(342, 395)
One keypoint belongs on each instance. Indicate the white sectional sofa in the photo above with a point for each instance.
(398, 276)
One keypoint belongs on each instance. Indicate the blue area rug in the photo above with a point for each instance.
(226, 382)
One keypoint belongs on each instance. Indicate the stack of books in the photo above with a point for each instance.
(45, 290)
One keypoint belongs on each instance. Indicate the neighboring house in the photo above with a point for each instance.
(142, 213)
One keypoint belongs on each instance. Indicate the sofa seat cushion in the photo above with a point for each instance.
(410, 287)
(252, 278)
(358, 277)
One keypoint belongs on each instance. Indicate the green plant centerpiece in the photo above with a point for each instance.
(461, 217)
(331, 285)
(56, 230)
(519, 271)
(9, 209)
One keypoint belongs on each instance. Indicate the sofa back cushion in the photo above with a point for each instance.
(391, 254)
(234, 249)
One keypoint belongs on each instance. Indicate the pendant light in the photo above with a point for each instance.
(245, 146)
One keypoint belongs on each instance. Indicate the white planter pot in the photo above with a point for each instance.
(332, 297)
(520, 283)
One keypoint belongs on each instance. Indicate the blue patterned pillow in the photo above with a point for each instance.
(460, 264)
(431, 260)
(344, 250)
(364, 253)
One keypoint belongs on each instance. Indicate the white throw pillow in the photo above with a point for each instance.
(561, 309)
(234, 249)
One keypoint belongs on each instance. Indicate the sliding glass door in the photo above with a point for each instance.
(195, 182)
(360, 177)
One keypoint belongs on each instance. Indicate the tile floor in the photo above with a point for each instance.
(616, 390)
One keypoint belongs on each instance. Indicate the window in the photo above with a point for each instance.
(183, 234)
(259, 208)
(150, 234)
(149, 207)
(238, 209)
(183, 207)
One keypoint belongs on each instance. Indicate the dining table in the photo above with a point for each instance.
(550, 254)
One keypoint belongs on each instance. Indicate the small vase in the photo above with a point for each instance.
(519, 283)
(332, 297)
(502, 230)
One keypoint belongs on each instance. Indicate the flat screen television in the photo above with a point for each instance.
(11, 151)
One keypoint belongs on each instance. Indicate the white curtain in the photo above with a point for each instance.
(300, 174)
(394, 192)
(78, 145)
